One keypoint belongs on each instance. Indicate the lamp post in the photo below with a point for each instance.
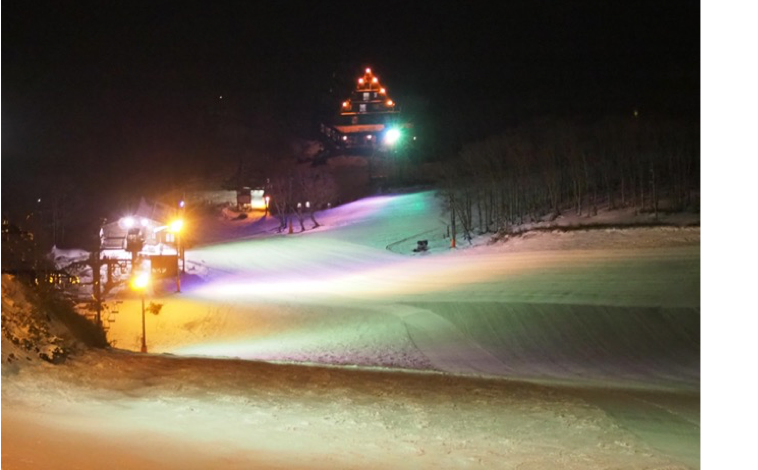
(139, 283)
(175, 227)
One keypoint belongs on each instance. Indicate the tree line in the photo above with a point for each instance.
(297, 192)
(546, 168)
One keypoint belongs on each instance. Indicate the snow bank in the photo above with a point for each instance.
(64, 257)
(29, 334)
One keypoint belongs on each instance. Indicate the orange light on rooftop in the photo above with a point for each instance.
(344, 104)
(382, 91)
(375, 80)
(390, 103)
(368, 70)
(360, 80)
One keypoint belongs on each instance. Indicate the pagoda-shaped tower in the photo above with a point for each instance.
(368, 119)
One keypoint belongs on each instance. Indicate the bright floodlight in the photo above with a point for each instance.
(140, 281)
(391, 136)
(144, 222)
(128, 221)
(176, 226)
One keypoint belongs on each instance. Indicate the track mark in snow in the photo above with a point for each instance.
(642, 414)
(667, 409)
(444, 345)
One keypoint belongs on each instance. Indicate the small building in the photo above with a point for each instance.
(251, 199)
(243, 198)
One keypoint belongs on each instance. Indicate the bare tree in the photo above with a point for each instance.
(548, 166)
(318, 189)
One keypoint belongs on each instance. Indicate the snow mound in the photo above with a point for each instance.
(64, 257)
(28, 332)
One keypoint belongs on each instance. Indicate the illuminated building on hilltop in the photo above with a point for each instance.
(368, 119)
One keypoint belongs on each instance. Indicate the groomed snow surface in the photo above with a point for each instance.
(339, 347)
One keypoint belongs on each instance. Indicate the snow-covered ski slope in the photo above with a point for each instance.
(600, 307)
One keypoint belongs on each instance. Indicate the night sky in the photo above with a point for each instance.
(105, 88)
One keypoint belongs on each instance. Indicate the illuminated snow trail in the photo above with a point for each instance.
(605, 313)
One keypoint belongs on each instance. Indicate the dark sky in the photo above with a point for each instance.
(106, 84)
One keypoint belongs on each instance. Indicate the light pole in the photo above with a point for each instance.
(392, 140)
(175, 227)
(139, 283)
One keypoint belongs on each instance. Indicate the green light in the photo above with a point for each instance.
(392, 136)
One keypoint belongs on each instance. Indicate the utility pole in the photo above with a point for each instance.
(178, 275)
(179, 246)
(95, 264)
(144, 343)
(139, 283)
(452, 219)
